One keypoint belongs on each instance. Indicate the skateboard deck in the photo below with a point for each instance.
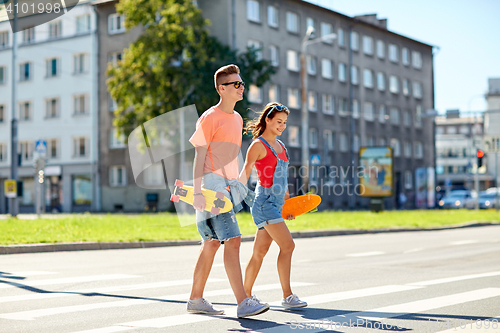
(216, 202)
(301, 204)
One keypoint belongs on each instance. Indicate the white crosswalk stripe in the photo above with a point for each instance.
(76, 279)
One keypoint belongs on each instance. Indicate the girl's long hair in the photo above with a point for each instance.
(258, 125)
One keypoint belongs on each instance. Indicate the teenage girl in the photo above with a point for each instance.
(270, 158)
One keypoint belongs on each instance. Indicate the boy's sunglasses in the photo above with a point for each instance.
(237, 84)
(277, 107)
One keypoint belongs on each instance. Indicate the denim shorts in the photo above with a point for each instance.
(220, 227)
(267, 208)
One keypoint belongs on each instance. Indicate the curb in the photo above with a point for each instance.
(89, 246)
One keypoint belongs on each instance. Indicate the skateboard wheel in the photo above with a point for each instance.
(215, 211)
(219, 195)
(174, 198)
(179, 183)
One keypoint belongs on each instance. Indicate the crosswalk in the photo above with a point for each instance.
(26, 287)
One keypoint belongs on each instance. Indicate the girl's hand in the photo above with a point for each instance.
(290, 217)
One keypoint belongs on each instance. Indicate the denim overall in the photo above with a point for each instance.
(269, 202)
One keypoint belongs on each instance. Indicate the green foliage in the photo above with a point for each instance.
(172, 63)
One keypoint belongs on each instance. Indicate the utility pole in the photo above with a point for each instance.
(13, 202)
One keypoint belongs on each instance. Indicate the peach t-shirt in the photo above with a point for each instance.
(221, 134)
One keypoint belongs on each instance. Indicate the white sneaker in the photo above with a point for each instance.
(293, 301)
(250, 307)
(201, 305)
(259, 301)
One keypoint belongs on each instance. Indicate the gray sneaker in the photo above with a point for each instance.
(259, 301)
(250, 307)
(293, 301)
(201, 305)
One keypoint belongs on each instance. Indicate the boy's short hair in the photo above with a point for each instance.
(223, 72)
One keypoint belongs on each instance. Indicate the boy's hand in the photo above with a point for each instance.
(199, 203)
(290, 217)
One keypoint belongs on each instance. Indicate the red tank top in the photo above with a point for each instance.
(267, 165)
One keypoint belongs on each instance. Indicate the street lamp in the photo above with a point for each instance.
(304, 111)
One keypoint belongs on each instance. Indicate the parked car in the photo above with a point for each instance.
(456, 199)
(487, 199)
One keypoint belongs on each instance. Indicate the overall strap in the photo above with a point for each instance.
(268, 145)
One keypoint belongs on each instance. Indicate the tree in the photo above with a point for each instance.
(172, 63)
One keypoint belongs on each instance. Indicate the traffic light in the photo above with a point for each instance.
(480, 155)
(40, 177)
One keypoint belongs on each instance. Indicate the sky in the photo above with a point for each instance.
(467, 33)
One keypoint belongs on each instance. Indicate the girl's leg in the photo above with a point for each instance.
(260, 247)
(281, 235)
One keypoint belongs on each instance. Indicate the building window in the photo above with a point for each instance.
(117, 176)
(3, 74)
(313, 138)
(292, 61)
(52, 67)
(312, 101)
(380, 49)
(395, 116)
(310, 23)
(293, 98)
(256, 46)
(80, 63)
(405, 56)
(367, 45)
(341, 37)
(408, 180)
(355, 108)
(4, 39)
(255, 94)
(274, 55)
(396, 147)
(368, 78)
(419, 150)
(328, 104)
(253, 10)
(407, 149)
(53, 148)
(274, 93)
(272, 16)
(418, 116)
(311, 65)
(368, 111)
(116, 24)
(82, 190)
(381, 142)
(293, 136)
(417, 89)
(2, 113)
(354, 41)
(382, 113)
(83, 23)
(406, 87)
(25, 149)
(25, 113)
(52, 108)
(407, 118)
(354, 75)
(115, 57)
(292, 22)
(25, 72)
(342, 72)
(370, 141)
(29, 35)
(344, 143)
(3, 152)
(393, 84)
(343, 106)
(393, 53)
(327, 68)
(80, 147)
(381, 81)
(55, 29)
(81, 104)
(329, 142)
(416, 59)
(451, 130)
(326, 29)
(115, 140)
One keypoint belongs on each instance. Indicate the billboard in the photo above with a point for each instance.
(376, 165)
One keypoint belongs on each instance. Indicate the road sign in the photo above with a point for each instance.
(315, 160)
(10, 188)
(41, 148)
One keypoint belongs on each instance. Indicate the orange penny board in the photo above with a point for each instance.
(301, 204)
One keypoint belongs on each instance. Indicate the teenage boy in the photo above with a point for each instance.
(217, 142)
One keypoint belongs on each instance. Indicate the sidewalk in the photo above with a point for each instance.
(86, 246)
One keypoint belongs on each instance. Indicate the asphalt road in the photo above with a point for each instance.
(430, 281)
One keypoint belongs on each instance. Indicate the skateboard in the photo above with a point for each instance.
(216, 202)
(301, 204)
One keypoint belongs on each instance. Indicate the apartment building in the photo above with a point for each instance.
(56, 89)
(390, 76)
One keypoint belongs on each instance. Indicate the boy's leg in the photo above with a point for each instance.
(281, 235)
(233, 267)
(203, 266)
(260, 247)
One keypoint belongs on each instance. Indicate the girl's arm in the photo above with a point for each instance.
(255, 152)
(287, 195)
